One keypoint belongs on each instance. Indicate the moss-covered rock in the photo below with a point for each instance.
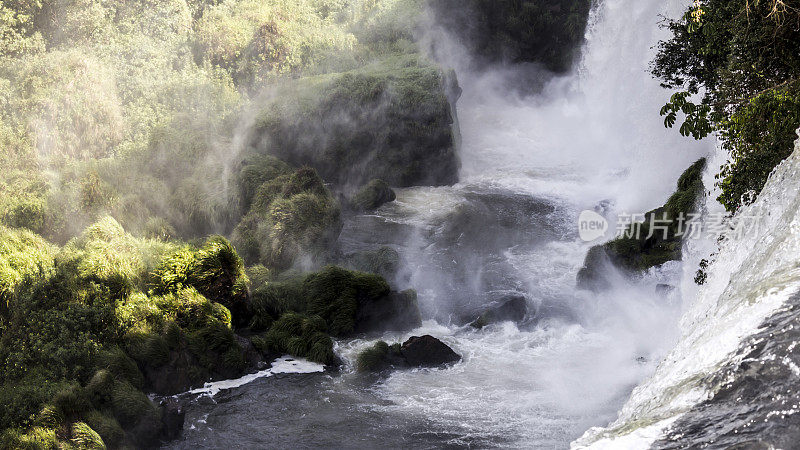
(390, 120)
(384, 261)
(297, 312)
(372, 196)
(299, 335)
(417, 351)
(291, 216)
(637, 251)
(548, 32)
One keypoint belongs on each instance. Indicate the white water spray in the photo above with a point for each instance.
(754, 273)
(592, 136)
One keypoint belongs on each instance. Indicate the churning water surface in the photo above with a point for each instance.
(530, 164)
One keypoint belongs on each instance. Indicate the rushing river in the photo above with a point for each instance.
(531, 162)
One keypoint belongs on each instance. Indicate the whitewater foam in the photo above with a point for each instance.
(285, 364)
(752, 276)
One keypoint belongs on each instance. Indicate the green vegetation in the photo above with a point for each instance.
(291, 216)
(373, 358)
(744, 56)
(541, 31)
(654, 241)
(84, 327)
(390, 119)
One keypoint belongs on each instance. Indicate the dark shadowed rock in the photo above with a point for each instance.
(397, 311)
(172, 418)
(512, 308)
(373, 196)
(427, 351)
(592, 276)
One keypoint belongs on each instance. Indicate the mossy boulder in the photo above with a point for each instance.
(299, 335)
(372, 196)
(349, 302)
(383, 261)
(291, 216)
(549, 32)
(380, 357)
(637, 251)
(417, 351)
(391, 119)
(298, 315)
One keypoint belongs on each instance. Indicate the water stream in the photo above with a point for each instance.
(530, 164)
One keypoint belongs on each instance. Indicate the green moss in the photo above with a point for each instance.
(373, 195)
(107, 427)
(639, 252)
(373, 358)
(335, 293)
(299, 335)
(258, 170)
(390, 120)
(84, 437)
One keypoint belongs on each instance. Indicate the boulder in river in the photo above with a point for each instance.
(510, 309)
(417, 351)
(642, 248)
(372, 196)
(427, 351)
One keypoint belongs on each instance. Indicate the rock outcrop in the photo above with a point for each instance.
(642, 249)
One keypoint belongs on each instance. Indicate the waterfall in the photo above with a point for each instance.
(754, 273)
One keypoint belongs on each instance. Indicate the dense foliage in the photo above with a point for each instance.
(742, 58)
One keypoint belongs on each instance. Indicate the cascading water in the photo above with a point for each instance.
(531, 163)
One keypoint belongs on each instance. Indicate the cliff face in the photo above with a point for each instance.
(547, 32)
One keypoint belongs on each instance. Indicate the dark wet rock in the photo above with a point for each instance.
(372, 196)
(417, 351)
(172, 418)
(511, 309)
(548, 32)
(384, 261)
(427, 351)
(642, 248)
(397, 311)
(593, 276)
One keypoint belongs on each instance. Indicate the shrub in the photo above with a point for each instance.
(741, 57)
(291, 215)
(215, 270)
(24, 256)
(372, 358)
(300, 335)
(86, 438)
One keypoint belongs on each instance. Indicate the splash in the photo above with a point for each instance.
(753, 275)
